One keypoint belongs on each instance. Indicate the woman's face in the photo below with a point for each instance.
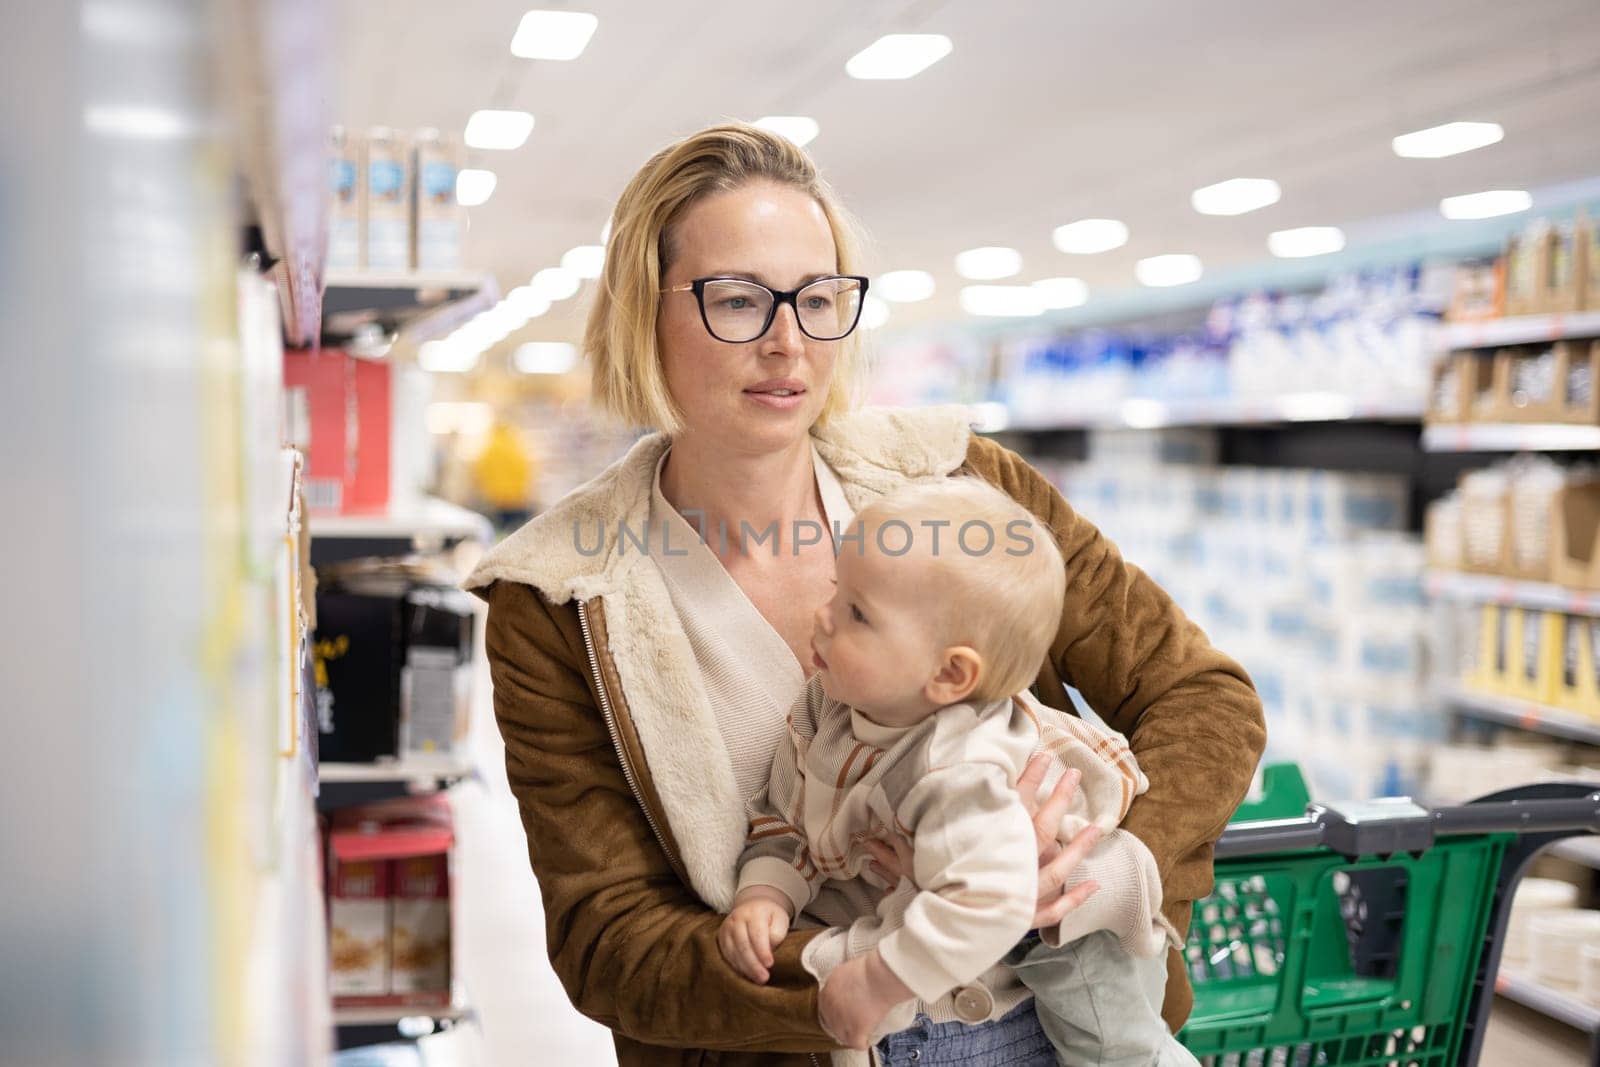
(775, 235)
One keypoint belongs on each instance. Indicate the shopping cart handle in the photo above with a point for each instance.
(1390, 826)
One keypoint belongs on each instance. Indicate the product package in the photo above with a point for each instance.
(1563, 278)
(441, 222)
(1527, 258)
(339, 417)
(389, 181)
(1479, 291)
(347, 190)
(421, 919)
(358, 927)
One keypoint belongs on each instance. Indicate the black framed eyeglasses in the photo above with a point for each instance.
(736, 310)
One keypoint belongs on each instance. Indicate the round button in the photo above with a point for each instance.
(973, 1004)
(916, 1054)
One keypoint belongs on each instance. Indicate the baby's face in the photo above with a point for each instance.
(873, 642)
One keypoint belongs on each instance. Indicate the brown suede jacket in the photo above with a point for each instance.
(627, 796)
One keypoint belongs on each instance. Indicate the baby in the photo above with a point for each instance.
(917, 723)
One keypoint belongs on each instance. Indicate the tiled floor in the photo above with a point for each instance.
(524, 1018)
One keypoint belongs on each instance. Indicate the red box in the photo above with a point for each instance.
(338, 415)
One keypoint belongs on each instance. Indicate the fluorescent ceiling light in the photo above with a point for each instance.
(473, 187)
(1089, 236)
(447, 357)
(989, 263)
(555, 283)
(584, 261)
(1485, 205)
(1176, 269)
(898, 55)
(502, 130)
(874, 313)
(1305, 241)
(1235, 196)
(1007, 301)
(458, 416)
(553, 34)
(527, 301)
(545, 357)
(1451, 139)
(138, 122)
(797, 128)
(1057, 293)
(904, 286)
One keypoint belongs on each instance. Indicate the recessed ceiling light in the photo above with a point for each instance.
(553, 34)
(502, 130)
(874, 313)
(1235, 196)
(1089, 236)
(1005, 301)
(1305, 241)
(447, 357)
(528, 302)
(1062, 292)
(585, 261)
(988, 263)
(545, 357)
(797, 128)
(473, 187)
(898, 55)
(904, 286)
(555, 283)
(1175, 269)
(1451, 139)
(1485, 205)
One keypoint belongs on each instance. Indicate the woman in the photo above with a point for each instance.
(641, 686)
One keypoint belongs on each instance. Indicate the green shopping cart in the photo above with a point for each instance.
(1367, 936)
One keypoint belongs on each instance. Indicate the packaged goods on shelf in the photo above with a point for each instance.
(347, 187)
(421, 919)
(390, 180)
(1527, 255)
(358, 928)
(1564, 273)
(339, 409)
(916, 372)
(1442, 532)
(1555, 939)
(1589, 242)
(440, 221)
(1479, 291)
(1304, 577)
(1534, 897)
(393, 647)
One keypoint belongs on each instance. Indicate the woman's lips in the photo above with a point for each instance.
(779, 403)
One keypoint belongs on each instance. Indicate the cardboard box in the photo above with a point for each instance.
(1580, 377)
(1441, 533)
(357, 650)
(387, 204)
(440, 220)
(1485, 513)
(1589, 239)
(421, 921)
(339, 417)
(1562, 277)
(1479, 291)
(347, 189)
(1527, 258)
(1445, 402)
(358, 928)
(1535, 383)
(1575, 535)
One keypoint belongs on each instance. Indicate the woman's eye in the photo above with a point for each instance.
(818, 303)
(736, 303)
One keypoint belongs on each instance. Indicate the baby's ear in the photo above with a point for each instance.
(960, 669)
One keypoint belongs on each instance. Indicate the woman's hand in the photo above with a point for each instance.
(758, 922)
(1056, 863)
(857, 996)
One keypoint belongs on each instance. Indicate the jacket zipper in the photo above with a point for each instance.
(616, 735)
(622, 755)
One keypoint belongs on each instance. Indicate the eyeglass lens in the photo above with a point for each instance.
(737, 311)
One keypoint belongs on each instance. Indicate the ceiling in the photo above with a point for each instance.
(1044, 113)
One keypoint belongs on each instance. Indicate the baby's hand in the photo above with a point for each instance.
(757, 924)
(857, 996)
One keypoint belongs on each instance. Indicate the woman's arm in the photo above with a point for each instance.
(1190, 713)
(634, 948)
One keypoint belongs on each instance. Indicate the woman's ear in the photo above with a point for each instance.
(960, 668)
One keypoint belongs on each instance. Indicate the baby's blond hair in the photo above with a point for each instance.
(997, 570)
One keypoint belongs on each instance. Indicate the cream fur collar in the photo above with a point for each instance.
(873, 451)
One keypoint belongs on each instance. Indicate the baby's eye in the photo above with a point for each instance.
(855, 613)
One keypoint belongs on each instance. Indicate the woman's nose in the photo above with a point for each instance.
(784, 336)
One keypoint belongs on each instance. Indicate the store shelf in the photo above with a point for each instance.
(1142, 414)
(388, 1016)
(1584, 850)
(1525, 715)
(426, 305)
(411, 769)
(1559, 1004)
(430, 519)
(1523, 329)
(1489, 589)
(1510, 437)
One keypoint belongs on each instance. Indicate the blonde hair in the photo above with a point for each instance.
(620, 337)
(1001, 589)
